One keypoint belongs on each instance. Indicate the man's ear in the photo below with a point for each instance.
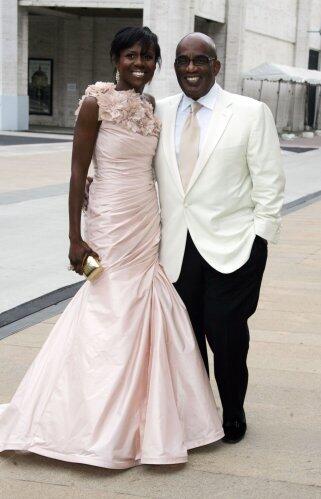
(217, 66)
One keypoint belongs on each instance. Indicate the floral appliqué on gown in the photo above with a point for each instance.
(123, 108)
(120, 380)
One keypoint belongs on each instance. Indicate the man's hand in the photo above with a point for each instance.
(86, 195)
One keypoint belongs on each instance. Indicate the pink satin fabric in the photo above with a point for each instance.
(120, 380)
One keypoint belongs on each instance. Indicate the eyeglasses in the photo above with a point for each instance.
(199, 60)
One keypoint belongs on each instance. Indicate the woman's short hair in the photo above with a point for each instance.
(127, 37)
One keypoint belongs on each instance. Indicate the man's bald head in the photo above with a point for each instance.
(196, 64)
(197, 36)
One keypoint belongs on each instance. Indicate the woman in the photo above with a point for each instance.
(120, 380)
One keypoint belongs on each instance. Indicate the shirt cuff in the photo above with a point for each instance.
(267, 229)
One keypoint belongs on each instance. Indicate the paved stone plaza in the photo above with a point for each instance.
(281, 454)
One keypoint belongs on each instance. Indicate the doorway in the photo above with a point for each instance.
(313, 64)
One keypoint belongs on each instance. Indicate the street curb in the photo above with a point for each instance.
(297, 203)
(37, 304)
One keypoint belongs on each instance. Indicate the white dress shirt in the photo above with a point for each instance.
(204, 115)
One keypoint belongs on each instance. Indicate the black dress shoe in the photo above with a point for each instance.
(234, 430)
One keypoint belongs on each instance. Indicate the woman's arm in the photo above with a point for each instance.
(85, 135)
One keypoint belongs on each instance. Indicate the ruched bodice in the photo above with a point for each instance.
(130, 153)
(122, 157)
(122, 201)
(120, 380)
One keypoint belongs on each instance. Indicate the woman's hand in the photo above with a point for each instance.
(78, 251)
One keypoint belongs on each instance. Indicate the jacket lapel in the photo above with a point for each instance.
(221, 116)
(168, 131)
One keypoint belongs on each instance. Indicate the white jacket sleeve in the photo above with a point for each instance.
(265, 165)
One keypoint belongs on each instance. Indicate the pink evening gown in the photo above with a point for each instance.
(120, 380)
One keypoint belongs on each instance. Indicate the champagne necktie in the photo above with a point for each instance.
(189, 146)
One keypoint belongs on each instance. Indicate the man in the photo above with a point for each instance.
(221, 184)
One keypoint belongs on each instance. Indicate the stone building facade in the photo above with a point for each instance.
(75, 36)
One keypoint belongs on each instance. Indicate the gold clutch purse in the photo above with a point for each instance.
(91, 268)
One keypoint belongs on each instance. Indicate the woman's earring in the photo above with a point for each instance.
(117, 76)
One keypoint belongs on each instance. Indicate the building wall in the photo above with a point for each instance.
(315, 24)
(260, 48)
(213, 10)
(121, 4)
(270, 32)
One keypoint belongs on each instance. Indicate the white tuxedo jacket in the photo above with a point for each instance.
(235, 192)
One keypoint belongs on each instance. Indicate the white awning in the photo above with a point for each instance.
(277, 72)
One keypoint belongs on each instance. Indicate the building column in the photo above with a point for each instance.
(170, 20)
(235, 21)
(14, 106)
(301, 52)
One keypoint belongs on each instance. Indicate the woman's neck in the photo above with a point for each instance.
(121, 86)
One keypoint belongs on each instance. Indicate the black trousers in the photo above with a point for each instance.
(219, 306)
